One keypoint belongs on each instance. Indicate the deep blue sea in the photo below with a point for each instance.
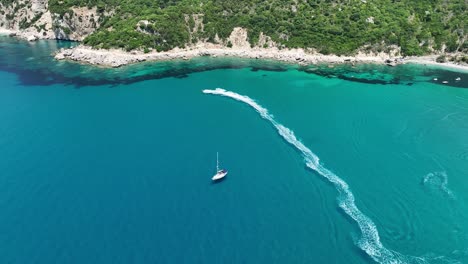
(365, 164)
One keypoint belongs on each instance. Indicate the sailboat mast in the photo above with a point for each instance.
(217, 162)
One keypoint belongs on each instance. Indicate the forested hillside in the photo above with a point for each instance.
(337, 26)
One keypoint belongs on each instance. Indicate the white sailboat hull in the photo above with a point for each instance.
(219, 175)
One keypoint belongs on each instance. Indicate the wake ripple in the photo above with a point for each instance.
(370, 240)
(438, 180)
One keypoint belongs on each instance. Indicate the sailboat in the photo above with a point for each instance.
(219, 173)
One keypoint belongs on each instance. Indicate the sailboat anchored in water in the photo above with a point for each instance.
(219, 173)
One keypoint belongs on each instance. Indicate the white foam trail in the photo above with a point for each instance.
(370, 240)
(438, 179)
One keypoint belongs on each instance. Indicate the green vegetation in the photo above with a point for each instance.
(330, 26)
(25, 24)
(6, 2)
(458, 58)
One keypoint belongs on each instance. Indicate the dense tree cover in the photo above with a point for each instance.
(330, 26)
(6, 2)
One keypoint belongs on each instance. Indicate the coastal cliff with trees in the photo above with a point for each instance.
(341, 27)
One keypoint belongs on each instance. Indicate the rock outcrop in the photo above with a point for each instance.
(239, 38)
(32, 20)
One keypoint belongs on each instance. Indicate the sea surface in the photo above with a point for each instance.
(342, 164)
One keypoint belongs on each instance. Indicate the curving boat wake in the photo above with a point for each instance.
(369, 240)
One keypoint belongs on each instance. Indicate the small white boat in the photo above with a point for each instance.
(219, 173)
(435, 79)
(458, 79)
(445, 82)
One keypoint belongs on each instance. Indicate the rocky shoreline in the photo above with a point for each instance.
(25, 35)
(432, 60)
(117, 58)
(241, 49)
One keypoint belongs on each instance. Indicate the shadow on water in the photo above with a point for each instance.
(44, 77)
(272, 68)
(219, 181)
(34, 64)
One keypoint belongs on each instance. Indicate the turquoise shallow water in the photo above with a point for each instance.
(114, 165)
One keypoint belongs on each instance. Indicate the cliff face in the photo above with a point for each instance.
(77, 24)
(32, 20)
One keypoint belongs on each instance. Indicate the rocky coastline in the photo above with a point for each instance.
(118, 58)
(241, 49)
(22, 34)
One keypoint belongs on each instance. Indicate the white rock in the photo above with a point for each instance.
(31, 38)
